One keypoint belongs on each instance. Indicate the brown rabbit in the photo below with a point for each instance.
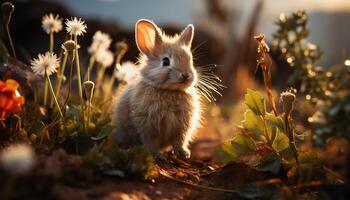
(161, 107)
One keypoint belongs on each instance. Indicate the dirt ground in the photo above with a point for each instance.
(63, 176)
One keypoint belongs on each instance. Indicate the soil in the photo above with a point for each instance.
(64, 176)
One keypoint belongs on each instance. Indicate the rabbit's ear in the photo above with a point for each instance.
(186, 35)
(147, 36)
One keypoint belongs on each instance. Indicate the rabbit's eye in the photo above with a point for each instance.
(166, 61)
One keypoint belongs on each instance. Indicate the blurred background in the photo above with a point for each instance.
(224, 28)
(223, 36)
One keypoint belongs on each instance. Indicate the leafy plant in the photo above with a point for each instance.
(262, 142)
(327, 89)
(111, 160)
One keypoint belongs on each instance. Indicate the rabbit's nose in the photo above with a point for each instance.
(185, 75)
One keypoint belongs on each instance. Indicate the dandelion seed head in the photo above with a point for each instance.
(127, 71)
(100, 41)
(47, 61)
(17, 158)
(51, 23)
(105, 57)
(76, 26)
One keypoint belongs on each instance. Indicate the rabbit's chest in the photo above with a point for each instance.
(164, 113)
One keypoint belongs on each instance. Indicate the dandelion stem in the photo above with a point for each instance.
(10, 40)
(100, 74)
(46, 91)
(61, 74)
(89, 110)
(51, 42)
(78, 69)
(91, 64)
(53, 94)
(51, 51)
(79, 80)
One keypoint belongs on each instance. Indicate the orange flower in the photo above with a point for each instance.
(10, 99)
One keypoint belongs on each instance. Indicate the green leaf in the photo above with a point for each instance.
(243, 144)
(254, 124)
(104, 132)
(272, 131)
(225, 153)
(275, 121)
(281, 142)
(255, 102)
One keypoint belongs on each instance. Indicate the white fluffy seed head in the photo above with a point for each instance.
(76, 26)
(17, 158)
(105, 57)
(127, 71)
(100, 41)
(51, 23)
(47, 61)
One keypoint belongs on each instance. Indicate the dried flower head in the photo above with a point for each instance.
(288, 98)
(100, 41)
(10, 99)
(51, 23)
(69, 46)
(7, 9)
(262, 45)
(127, 71)
(17, 158)
(105, 57)
(48, 62)
(89, 89)
(76, 26)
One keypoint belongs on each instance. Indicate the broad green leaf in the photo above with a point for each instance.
(243, 144)
(281, 142)
(275, 121)
(255, 102)
(104, 132)
(225, 153)
(254, 124)
(272, 131)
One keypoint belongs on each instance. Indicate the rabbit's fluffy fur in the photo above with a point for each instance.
(161, 107)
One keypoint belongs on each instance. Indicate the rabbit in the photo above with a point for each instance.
(161, 107)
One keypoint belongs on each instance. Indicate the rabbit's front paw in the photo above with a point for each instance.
(182, 153)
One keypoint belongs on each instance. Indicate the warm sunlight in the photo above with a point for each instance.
(174, 99)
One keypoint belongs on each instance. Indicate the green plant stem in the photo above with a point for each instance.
(51, 42)
(53, 94)
(266, 132)
(61, 74)
(89, 111)
(99, 78)
(91, 64)
(80, 88)
(291, 138)
(46, 91)
(100, 74)
(69, 80)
